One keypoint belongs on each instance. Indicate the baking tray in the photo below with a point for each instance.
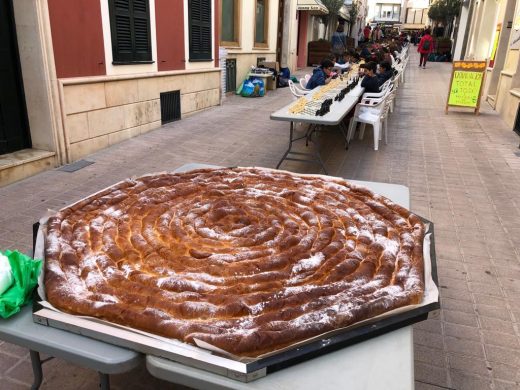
(247, 370)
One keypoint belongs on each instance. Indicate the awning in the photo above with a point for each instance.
(412, 26)
(313, 6)
(343, 12)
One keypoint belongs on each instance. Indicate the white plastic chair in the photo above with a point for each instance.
(370, 111)
(389, 102)
(296, 91)
(388, 87)
(383, 89)
(303, 82)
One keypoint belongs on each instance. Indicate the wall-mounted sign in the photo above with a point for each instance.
(467, 80)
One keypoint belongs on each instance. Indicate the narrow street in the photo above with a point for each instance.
(463, 172)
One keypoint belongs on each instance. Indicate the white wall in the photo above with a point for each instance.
(463, 26)
(482, 30)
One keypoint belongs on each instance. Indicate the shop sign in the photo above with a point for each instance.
(467, 79)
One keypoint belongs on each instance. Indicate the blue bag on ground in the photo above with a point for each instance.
(253, 88)
(259, 87)
(247, 88)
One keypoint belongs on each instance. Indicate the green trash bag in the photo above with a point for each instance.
(25, 277)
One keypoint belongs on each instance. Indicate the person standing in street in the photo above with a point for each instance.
(339, 42)
(425, 47)
(366, 32)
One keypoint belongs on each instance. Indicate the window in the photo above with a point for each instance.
(130, 30)
(230, 22)
(199, 14)
(378, 11)
(261, 23)
(386, 11)
(397, 12)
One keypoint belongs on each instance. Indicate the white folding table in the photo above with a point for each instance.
(385, 361)
(338, 111)
(83, 351)
(382, 362)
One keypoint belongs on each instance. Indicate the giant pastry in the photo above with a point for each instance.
(248, 260)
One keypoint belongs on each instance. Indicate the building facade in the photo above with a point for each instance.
(358, 24)
(384, 11)
(415, 14)
(490, 30)
(310, 25)
(91, 73)
(248, 35)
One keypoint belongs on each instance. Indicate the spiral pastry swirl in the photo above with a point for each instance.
(249, 260)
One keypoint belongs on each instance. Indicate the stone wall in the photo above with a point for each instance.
(103, 111)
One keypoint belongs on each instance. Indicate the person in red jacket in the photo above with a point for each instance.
(425, 47)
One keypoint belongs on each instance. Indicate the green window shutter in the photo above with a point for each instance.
(199, 14)
(130, 28)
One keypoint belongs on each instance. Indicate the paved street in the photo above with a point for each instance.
(463, 172)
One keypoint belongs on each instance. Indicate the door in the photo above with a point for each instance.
(14, 129)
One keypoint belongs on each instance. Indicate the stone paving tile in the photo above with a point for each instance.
(501, 339)
(505, 372)
(428, 339)
(501, 385)
(462, 380)
(468, 365)
(432, 375)
(429, 355)
(462, 331)
(427, 386)
(463, 175)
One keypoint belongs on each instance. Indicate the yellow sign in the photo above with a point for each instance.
(464, 65)
(495, 45)
(465, 89)
(466, 84)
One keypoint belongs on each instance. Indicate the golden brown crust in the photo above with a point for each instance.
(249, 260)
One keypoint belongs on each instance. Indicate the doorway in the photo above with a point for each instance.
(14, 126)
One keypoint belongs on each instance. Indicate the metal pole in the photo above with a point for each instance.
(37, 369)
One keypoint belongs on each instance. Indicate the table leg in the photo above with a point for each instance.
(344, 131)
(316, 155)
(291, 140)
(37, 369)
(104, 381)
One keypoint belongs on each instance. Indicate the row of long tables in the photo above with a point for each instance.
(338, 111)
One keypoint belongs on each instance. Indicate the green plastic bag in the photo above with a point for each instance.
(25, 272)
